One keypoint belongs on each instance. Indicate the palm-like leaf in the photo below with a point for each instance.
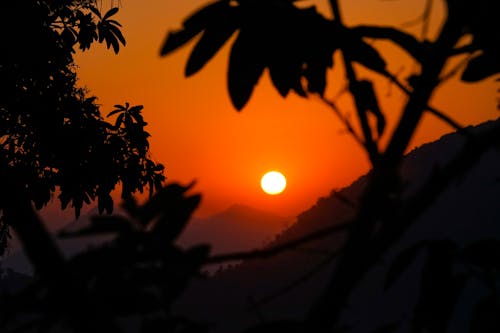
(109, 31)
(272, 34)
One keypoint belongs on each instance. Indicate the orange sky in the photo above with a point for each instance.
(198, 135)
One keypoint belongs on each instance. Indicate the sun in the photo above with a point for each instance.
(273, 182)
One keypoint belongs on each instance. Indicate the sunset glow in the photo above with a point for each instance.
(197, 133)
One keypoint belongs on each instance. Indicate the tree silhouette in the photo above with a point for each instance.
(297, 45)
(53, 138)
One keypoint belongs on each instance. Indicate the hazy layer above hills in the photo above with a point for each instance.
(237, 228)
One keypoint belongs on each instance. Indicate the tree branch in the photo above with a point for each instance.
(344, 120)
(354, 86)
(439, 114)
(406, 41)
(274, 250)
(380, 196)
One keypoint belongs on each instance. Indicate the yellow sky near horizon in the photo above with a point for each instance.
(197, 134)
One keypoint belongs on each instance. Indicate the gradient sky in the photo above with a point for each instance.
(197, 134)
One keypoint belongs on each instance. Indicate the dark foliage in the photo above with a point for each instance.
(139, 272)
(53, 138)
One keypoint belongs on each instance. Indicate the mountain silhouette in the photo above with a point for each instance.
(284, 286)
(237, 228)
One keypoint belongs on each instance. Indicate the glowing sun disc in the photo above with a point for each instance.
(273, 182)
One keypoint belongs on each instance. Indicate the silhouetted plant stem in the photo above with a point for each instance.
(437, 113)
(368, 142)
(342, 118)
(426, 83)
(408, 42)
(376, 203)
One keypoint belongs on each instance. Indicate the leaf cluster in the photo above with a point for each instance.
(53, 138)
(297, 44)
(140, 271)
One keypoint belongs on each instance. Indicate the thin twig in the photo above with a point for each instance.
(343, 119)
(354, 86)
(426, 17)
(274, 250)
(456, 69)
(439, 114)
(469, 48)
(406, 41)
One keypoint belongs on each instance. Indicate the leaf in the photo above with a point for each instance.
(245, 68)
(367, 98)
(117, 33)
(177, 39)
(406, 41)
(213, 38)
(158, 203)
(401, 263)
(111, 40)
(121, 107)
(193, 25)
(207, 14)
(114, 22)
(65, 200)
(484, 253)
(316, 77)
(136, 109)
(105, 203)
(114, 112)
(281, 78)
(110, 13)
(485, 318)
(174, 218)
(480, 67)
(366, 55)
(119, 120)
(95, 11)
(68, 36)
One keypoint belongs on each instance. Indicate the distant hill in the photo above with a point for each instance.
(237, 228)
(466, 211)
